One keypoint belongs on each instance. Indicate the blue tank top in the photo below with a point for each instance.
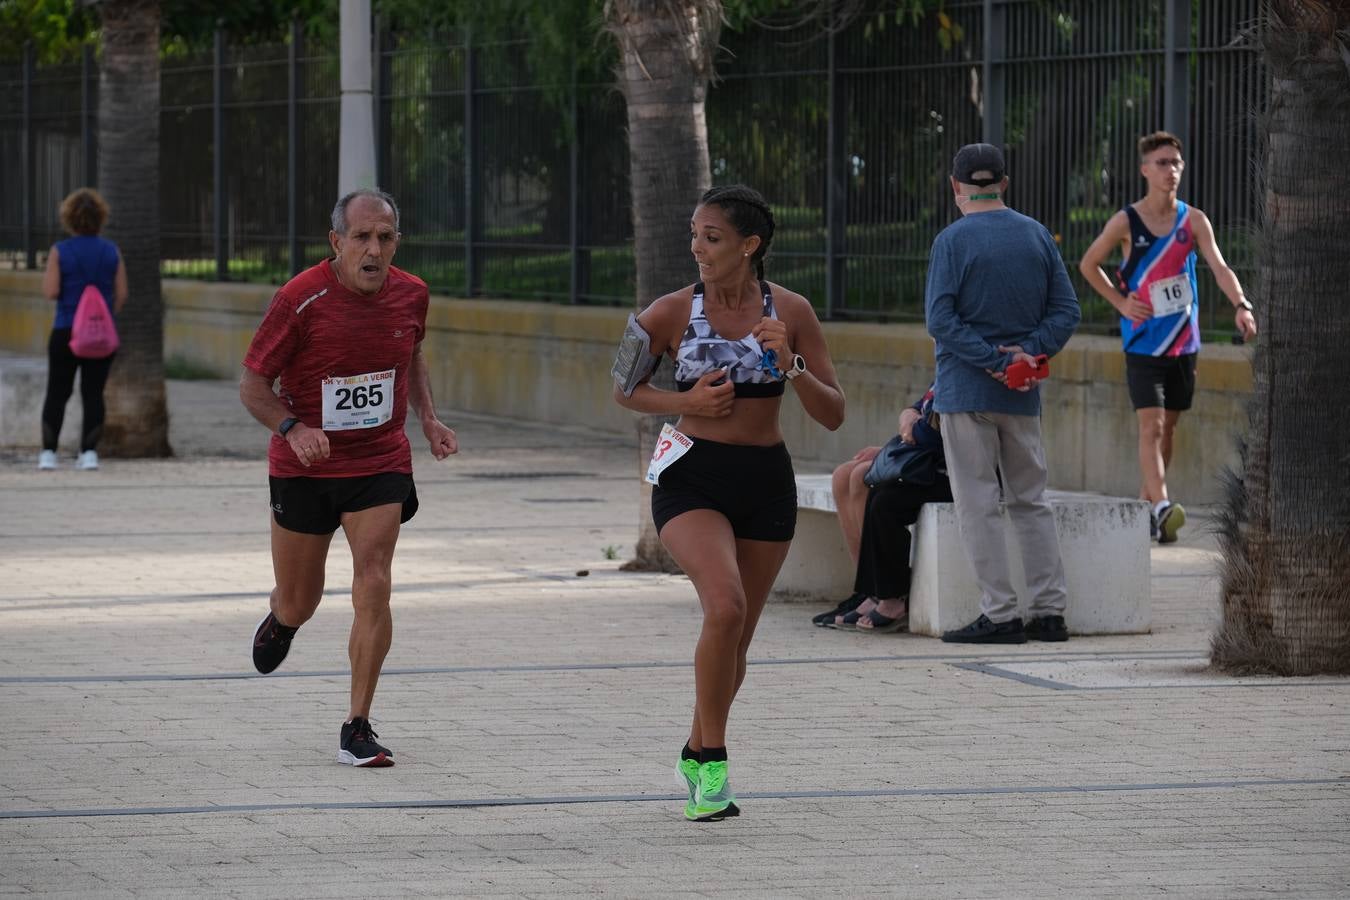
(1159, 267)
(85, 259)
(702, 350)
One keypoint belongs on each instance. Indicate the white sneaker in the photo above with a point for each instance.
(88, 460)
(47, 459)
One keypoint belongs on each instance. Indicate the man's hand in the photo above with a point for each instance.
(999, 376)
(1134, 309)
(1019, 356)
(708, 399)
(908, 416)
(308, 444)
(1246, 323)
(442, 439)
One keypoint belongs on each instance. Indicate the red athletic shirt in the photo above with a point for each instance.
(336, 352)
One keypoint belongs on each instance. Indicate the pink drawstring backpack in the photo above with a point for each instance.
(93, 334)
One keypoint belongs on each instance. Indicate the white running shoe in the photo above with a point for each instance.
(47, 459)
(88, 460)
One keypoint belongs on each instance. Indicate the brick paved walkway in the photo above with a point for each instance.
(536, 713)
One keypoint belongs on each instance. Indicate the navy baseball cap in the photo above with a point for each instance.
(975, 158)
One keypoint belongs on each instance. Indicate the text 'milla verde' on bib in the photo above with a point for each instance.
(1160, 270)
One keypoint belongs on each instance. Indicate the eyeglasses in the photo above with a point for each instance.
(1173, 163)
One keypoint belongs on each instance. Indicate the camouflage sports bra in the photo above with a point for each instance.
(702, 350)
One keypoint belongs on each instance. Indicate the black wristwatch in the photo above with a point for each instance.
(286, 425)
(1246, 304)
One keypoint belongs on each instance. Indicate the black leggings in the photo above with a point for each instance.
(61, 368)
(883, 552)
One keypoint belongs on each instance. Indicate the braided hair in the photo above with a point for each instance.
(748, 213)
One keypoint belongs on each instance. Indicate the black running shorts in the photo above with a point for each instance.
(1161, 381)
(754, 487)
(316, 505)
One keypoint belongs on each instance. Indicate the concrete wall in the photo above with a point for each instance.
(550, 363)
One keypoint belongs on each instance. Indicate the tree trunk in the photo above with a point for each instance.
(666, 51)
(1286, 535)
(128, 176)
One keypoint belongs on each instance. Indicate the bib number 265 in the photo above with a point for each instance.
(359, 397)
(358, 401)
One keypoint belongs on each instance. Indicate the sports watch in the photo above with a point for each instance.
(1246, 304)
(798, 367)
(286, 425)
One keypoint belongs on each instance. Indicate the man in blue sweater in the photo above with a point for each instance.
(997, 294)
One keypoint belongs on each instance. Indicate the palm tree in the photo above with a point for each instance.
(1286, 535)
(666, 61)
(128, 176)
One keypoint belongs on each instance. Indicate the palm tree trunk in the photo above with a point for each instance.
(1286, 537)
(666, 48)
(128, 176)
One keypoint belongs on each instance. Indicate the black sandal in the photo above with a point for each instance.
(846, 606)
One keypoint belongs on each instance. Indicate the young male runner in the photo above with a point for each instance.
(1159, 306)
(345, 338)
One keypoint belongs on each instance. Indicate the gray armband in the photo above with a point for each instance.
(634, 361)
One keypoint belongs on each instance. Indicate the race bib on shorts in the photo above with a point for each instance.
(1170, 295)
(670, 446)
(358, 401)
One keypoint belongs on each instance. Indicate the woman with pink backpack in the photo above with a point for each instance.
(81, 271)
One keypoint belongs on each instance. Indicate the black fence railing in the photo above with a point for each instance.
(511, 187)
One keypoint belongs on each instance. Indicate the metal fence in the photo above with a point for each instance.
(514, 188)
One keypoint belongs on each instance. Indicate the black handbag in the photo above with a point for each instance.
(902, 462)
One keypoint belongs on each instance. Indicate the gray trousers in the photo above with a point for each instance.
(978, 445)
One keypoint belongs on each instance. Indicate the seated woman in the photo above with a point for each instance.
(850, 501)
(880, 600)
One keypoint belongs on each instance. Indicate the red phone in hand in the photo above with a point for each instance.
(1017, 373)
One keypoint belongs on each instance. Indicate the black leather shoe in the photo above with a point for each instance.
(1047, 628)
(983, 631)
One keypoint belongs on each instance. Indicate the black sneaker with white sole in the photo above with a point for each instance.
(271, 643)
(357, 747)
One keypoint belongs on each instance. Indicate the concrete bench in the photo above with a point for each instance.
(23, 386)
(1103, 541)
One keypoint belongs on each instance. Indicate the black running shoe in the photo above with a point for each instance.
(271, 643)
(983, 631)
(357, 747)
(1047, 628)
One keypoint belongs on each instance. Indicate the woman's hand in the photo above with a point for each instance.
(710, 400)
(908, 417)
(772, 335)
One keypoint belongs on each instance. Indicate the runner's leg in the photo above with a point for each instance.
(372, 534)
(702, 544)
(1152, 469)
(298, 566)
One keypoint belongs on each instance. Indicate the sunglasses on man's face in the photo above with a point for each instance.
(1172, 163)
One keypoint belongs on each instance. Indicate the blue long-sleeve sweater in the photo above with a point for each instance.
(994, 279)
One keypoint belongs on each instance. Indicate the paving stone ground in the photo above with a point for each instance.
(536, 712)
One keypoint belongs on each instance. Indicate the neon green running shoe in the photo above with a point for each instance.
(714, 800)
(688, 770)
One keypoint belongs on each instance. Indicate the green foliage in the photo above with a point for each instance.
(56, 27)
